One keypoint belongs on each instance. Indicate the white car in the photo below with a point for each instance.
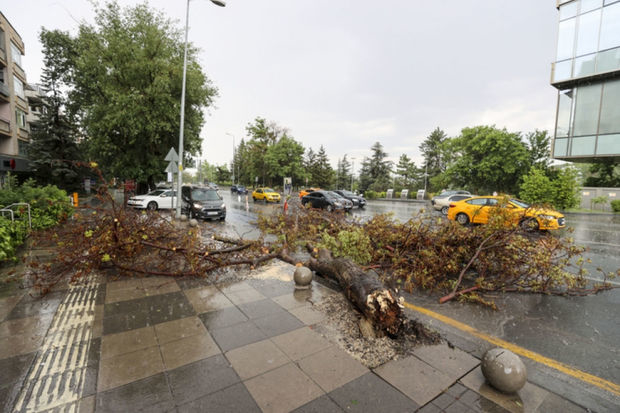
(157, 199)
(443, 204)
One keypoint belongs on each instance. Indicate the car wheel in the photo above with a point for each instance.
(529, 224)
(330, 208)
(254, 199)
(462, 219)
(444, 210)
(152, 206)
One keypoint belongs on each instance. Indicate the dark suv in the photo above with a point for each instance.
(205, 203)
(238, 189)
(358, 201)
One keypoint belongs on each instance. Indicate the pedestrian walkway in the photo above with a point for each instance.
(161, 344)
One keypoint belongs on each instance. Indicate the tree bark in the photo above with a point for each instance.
(379, 304)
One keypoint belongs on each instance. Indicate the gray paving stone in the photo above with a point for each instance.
(225, 317)
(415, 378)
(369, 393)
(233, 399)
(143, 394)
(321, 405)
(277, 323)
(453, 362)
(201, 378)
(261, 308)
(237, 335)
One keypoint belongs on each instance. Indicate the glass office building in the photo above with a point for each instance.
(586, 73)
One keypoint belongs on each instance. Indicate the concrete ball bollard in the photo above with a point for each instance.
(504, 370)
(302, 277)
(183, 218)
(193, 222)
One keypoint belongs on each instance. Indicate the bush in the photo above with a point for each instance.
(370, 194)
(559, 191)
(48, 206)
(615, 205)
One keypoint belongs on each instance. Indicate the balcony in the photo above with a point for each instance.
(3, 56)
(5, 127)
(4, 90)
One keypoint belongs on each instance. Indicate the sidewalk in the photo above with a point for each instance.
(183, 345)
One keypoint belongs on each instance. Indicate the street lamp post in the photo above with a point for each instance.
(352, 171)
(181, 126)
(233, 163)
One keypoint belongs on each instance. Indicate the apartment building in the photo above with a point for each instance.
(586, 73)
(14, 130)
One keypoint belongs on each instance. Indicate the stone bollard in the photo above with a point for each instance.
(504, 370)
(183, 218)
(193, 222)
(302, 277)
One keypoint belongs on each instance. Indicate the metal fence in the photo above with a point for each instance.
(594, 198)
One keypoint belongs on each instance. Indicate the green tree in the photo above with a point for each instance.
(285, 159)
(323, 173)
(566, 189)
(343, 173)
(488, 159)
(435, 154)
(539, 149)
(537, 187)
(53, 147)
(604, 173)
(125, 76)
(407, 171)
(222, 174)
(262, 135)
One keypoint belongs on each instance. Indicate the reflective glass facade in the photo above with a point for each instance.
(586, 73)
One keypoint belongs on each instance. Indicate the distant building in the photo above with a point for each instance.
(586, 73)
(14, 130)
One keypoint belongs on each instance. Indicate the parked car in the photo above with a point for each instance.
(154, 200)
(265, 194)
(305, 192)
(358, 200)
(446, 194)
(204, 203)
(324, 200)
(478, 209)
(347, 204)
(443, 204)
(238, 189)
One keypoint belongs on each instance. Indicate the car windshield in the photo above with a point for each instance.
(156, 192)
(268, 190)
(520, 203)
(205, 195)
(348, 193)
(335, 194)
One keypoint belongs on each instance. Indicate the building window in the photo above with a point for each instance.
(22, 147)
(565, 104)
(18, 85)
(568, 10)
(560, 147)
(587, 106)
(566, 39)
(16, 55)
(20, 116)
(608, 145)
(589, 5)
(610, 27)
(583, 146)
(587, 34)
(608, 60)
(584, 65)
(610, 108)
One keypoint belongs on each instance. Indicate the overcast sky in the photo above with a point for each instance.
(348, 73)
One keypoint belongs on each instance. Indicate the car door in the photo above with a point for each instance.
(478, 210)
(167, 200)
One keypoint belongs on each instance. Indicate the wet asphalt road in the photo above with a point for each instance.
(582, 332)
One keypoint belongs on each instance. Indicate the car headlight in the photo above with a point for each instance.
(197, 205)
(337, 203)
(223, 206)
(547, 217)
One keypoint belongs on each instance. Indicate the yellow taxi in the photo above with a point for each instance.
(265, 194)
(478, 209)
(305, 192)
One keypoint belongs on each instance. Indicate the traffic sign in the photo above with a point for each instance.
(172, 167)
(172, 156)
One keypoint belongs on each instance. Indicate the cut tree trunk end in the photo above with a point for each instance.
(380, 305)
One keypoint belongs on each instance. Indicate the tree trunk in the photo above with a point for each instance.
(380, 305)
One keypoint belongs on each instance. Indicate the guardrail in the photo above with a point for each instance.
(7, 209)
